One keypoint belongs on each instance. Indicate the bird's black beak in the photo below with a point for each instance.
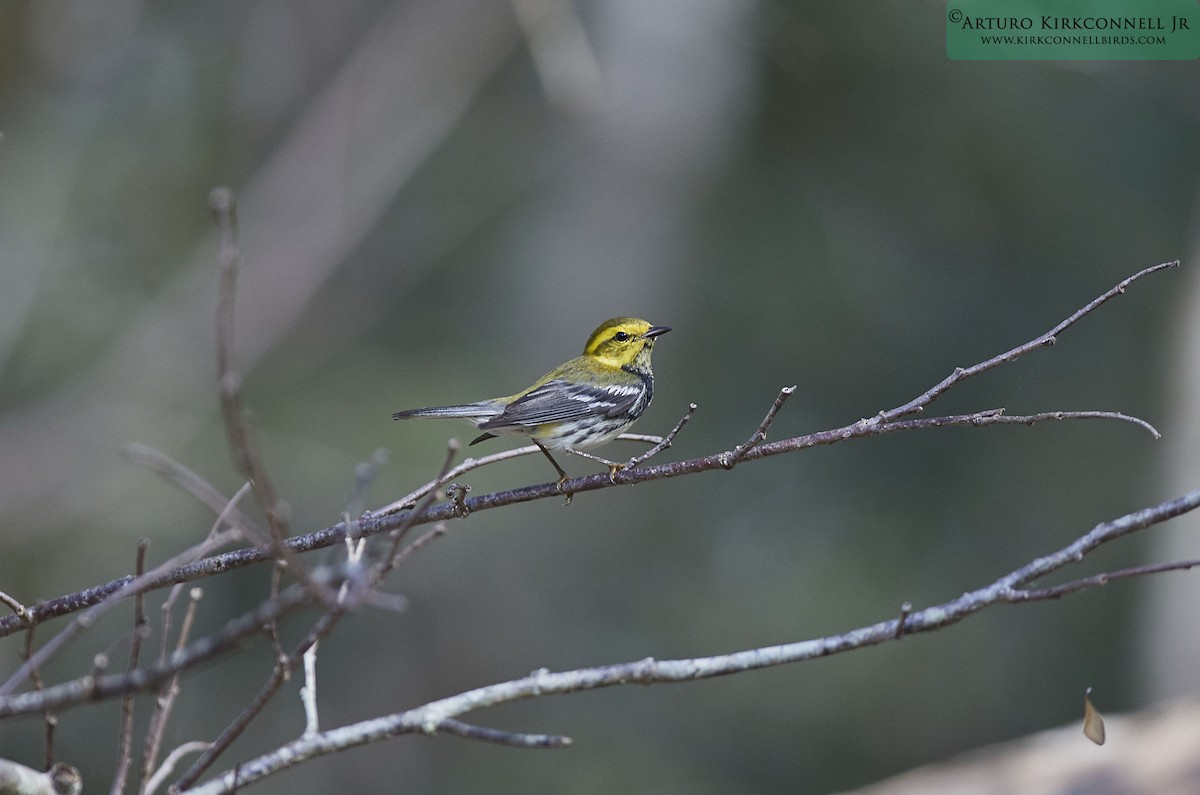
(655, 331)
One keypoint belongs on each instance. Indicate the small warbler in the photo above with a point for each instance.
(582, 403)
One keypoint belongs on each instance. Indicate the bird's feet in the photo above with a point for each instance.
(567, 495)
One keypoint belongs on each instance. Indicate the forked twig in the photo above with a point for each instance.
(1049, 338)
(663, 443)
(19, 610)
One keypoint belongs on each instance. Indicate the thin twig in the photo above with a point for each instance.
(1049, 338)
(513, 739)
(417, 543)
(356, 546)
(279, 674)
(1099, 580)
(905, 609)
(167, 694)
(308, 691)
(125, 735)
(389, 560)
(364, 475)
(664, 442)
(739, 453)
(192, 484)
(998, 417)
(19, 610)
(49, 718)
(242, 445)
(271, 629)
(168, 766)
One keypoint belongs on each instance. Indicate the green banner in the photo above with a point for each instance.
(1073, 30)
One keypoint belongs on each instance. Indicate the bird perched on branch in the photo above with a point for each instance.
(580, 404)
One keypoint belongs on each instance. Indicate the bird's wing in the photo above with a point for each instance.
(558, 400)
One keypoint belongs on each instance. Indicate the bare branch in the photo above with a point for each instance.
(168, 765)
(1049, 338)
(514, 739)
(664, 442)
(364, 475)
(308, 692)
(1099, 580)
(433, 718)
(98, 687)
(190, 483)
(998, 417)
(739, 453)
(397, 536)
(905, 609)
(125, 735)
(49, 718)
(165, 702)
(279, 674)
(242, 444)
(19, 610)
(419, 542)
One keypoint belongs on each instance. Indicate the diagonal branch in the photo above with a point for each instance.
(98, 687)
(663, 443)
(1049, 338)
(441, 716)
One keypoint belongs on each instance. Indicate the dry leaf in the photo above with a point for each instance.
(1093, 721)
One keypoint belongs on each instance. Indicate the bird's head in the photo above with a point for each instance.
(623, 341)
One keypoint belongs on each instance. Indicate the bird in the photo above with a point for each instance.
(580, 404)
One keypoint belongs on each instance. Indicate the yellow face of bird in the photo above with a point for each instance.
(623, 341)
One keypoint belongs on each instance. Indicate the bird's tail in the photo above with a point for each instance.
(475, 412)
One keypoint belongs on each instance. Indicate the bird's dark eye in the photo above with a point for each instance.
(621, 336)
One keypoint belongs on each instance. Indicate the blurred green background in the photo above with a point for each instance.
(439, 201)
